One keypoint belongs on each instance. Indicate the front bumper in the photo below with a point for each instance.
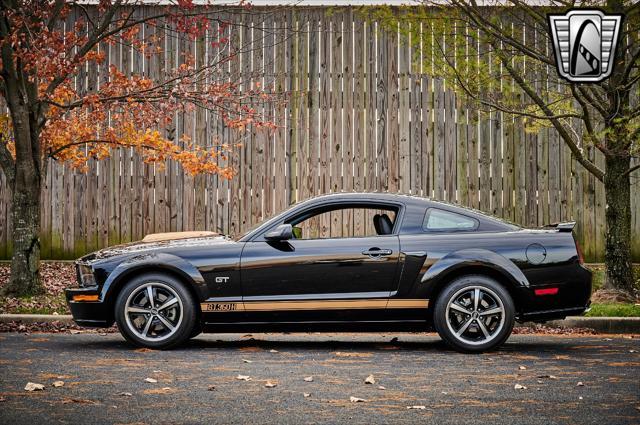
(87, 307)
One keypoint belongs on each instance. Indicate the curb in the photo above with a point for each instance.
(605, 325)
(608, 325)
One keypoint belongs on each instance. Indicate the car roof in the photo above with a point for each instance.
(373, 196)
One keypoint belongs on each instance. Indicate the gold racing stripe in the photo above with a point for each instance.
(313, 305)
(393, 303)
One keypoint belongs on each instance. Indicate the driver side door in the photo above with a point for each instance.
(322, 276)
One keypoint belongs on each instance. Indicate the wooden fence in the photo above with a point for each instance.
(369, 120)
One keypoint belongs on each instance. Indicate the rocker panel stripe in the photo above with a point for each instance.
(313, 305)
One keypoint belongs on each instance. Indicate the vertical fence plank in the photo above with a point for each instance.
(415, 125)
(268, 82)
(259, 137)
(359, 163)
(280, 185)
(325, 118)
(439, 140)
(382, 108)
(371, 147)
(336, 117)
(392, 114)
(404, 117)
(347, 124)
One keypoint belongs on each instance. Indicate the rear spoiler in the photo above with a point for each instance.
(562, 227)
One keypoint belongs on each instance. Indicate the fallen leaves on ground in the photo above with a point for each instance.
(353, 399)
(370, 380)
(32, 386)
(381, 387)
(78, 401)
(349, 354)
(58, 384)
(270, 384)
(243, 378)
(55, 277)
(308, 379)
(163, 390)
(551, 330)
(151, 380)
(49, 327)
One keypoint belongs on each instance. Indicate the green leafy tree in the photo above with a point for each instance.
(494, 52)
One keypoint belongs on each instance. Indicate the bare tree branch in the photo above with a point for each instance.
(568, 139)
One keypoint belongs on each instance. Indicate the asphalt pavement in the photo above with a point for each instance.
(593, 379)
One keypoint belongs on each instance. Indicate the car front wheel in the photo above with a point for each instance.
(474, 314)
(155, 311)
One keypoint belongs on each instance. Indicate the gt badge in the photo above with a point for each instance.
(584, 42)
(222, 279)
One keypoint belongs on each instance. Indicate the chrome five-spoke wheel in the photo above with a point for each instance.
(153, 311)
(156, 310)
(475, 315)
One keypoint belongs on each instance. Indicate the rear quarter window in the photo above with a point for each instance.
(437, 220)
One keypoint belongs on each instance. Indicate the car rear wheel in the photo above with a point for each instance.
(155, 311)
(474, 314)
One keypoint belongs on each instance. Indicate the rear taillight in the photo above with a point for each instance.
(580, 255)
(546, 291)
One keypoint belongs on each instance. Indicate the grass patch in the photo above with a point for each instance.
(614, 310)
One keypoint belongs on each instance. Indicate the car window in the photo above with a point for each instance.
(350, 222)
(441, 220)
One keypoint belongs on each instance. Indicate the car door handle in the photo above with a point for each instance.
(377, 252)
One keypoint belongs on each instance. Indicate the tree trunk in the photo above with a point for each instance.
(617, 188)
(25, 216)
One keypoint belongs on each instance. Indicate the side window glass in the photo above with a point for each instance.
(441, 221)
(352, 222)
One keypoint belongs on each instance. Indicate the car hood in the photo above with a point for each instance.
(167, 244)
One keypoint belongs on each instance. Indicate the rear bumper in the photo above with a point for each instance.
(95, 314)
(572, 285)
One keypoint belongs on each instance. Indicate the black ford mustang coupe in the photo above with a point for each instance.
(341, 262)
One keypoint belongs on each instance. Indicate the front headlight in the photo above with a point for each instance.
(85, 275)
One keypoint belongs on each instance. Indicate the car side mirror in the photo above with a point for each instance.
(283, 232)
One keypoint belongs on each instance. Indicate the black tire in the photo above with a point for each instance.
(197, 330)
(493, 329)
(157, 335)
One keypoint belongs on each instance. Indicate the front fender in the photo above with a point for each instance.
(154, 262)
(452, 264)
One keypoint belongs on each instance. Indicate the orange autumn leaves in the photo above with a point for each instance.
(129, 109)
